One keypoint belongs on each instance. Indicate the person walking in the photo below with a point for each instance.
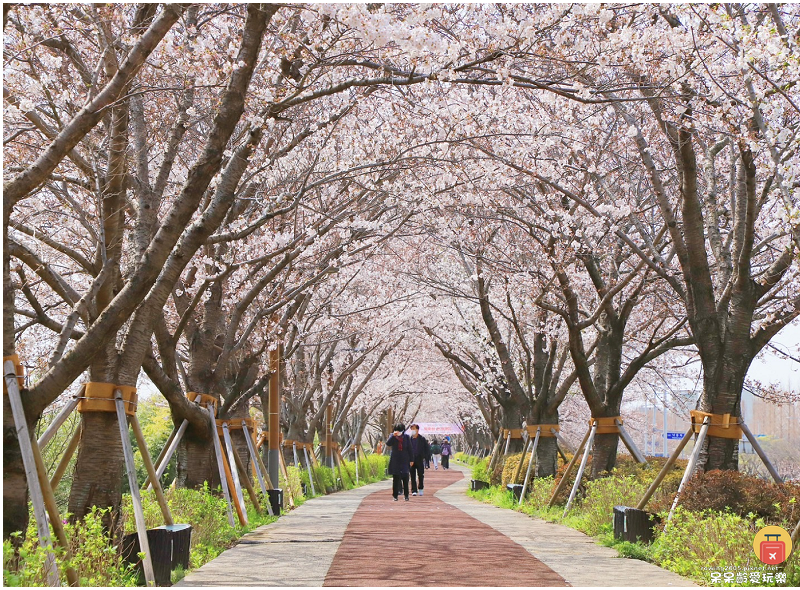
(447, 452)
(436, 453)
(421, 453)
(401, 460)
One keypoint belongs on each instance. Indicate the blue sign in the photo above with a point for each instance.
(675, 435)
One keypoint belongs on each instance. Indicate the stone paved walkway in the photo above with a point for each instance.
(444, 538)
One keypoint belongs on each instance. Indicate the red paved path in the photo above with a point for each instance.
(426, 542)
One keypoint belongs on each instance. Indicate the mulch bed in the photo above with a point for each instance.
(426, 542)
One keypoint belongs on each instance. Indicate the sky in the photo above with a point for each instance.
(773, 368)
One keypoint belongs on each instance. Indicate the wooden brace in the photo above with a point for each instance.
(606, 425)
(99, 397)
(546, 431)
(205, 400)
(722, 425)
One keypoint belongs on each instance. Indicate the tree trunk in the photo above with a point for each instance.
(604, 454)
(99, 468)
(546, 457)
(722, 393)
(197, 463)
(512, 420)
(15, 486)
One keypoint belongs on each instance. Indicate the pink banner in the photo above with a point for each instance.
(440, 428)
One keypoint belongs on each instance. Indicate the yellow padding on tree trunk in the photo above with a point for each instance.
(205, 400)
(545, 432)
(721, 425)
(334, 444)
(99, 397)
(18, 370)
(606, 425)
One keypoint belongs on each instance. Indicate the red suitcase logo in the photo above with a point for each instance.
(772, 552)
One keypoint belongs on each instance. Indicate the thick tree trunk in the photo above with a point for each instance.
(722, 393)
(546, 457)
(604, 454)
(512, 420)
(99, 468)
(547, 451)
(15, 486)
(196, 462)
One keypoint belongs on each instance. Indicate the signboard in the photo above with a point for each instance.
(440, 428)
(675, 435)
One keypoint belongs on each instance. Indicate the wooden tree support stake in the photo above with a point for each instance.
(172, 445)
(223, 480)
(760, 452)
(260, 462)
(495, 451)
(579, 475)
(664, 470)
(508, 443)
(310, 471)
(530, 464)
(31, 471)
(233, 474)
(67, 456)
(341, 464)
(166, 454)
(160, 458)
(568, 470)
(563, 442)
(151, 472)
(65, 413)
(628, 441)
(282, 465)
(701, 437)
(256, 466)
(136, 500)
(518, 470)
(247, 483)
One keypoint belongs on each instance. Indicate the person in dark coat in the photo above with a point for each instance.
(401, 460)
(447, 452)
(421, 453)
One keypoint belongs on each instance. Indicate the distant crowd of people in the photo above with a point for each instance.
(411, 455)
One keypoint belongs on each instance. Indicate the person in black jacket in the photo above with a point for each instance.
(421, 452)
(401, 460)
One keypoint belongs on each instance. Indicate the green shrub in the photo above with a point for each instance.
(480, 470)
(95, 559)
(510, 467)
(293, 485)
(206, 512)
(694, 541)
(594, 513)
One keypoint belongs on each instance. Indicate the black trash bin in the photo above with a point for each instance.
(632, 524)
(276, 501)
(477, 484)
(169, 548)
(515, 488)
